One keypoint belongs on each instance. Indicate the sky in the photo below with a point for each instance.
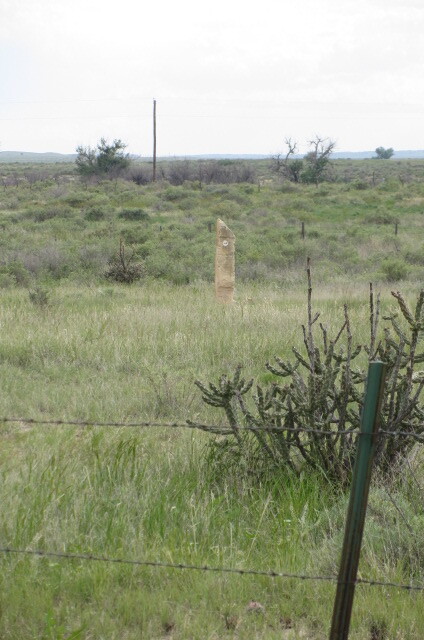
(229, 76)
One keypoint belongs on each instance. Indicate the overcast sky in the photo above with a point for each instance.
(229, 76)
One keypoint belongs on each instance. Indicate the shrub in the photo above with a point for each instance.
(380, 217)
(321, 394)
(360, 185)
(54, 261)
(289, 187)
(77, 199)
(173, 194)
(394, 269)
(39, 297)
(139, 176)
(16, 273)
(42, 215)
(108, 160)
(94, 213)
(415, 255)
(93, 257)
(134, 235)
(133, 214)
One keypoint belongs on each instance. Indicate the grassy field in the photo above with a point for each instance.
(122, 354)
(76, 346)
(57, 229)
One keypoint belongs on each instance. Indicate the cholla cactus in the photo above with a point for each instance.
(224, 395)
(322, 391)
(121, 269)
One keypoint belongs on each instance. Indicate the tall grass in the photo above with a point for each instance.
(116, 354)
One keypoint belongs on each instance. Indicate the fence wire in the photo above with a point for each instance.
(216, 429)
(191, 567)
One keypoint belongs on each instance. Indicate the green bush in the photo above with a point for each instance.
(135, 235)
(94, 213)
(394, 269)
(133, 214)
(41, 215)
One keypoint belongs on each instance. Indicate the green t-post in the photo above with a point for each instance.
(358, 502)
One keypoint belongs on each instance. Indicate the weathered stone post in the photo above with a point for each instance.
(224, 263)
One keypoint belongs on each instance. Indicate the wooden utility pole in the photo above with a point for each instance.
(154, 140)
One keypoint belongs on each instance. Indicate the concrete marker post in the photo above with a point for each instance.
(224, 263)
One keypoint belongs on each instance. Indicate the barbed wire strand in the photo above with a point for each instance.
(171, 565)
(219, 430)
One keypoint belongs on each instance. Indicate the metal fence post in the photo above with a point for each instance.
(358, 502)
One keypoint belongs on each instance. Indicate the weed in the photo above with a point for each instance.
(39, 297)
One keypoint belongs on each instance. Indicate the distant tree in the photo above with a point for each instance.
(384, 154)
(106, 159)
(289, 167)
(317, 160)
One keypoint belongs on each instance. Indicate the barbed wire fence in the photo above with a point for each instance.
(216, 430)
(205, 568)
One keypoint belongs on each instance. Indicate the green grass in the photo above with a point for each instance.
(56, 229)
(102, 352)
(115, 353)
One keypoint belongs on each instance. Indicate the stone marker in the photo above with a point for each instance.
(224, 263)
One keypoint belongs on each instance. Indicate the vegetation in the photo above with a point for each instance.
(312, 169)
(365, 225)
(384, 154)
(114, 353)
(317, 160)
(78, 345)
(106, 160)
(326, 398)
(121, 269)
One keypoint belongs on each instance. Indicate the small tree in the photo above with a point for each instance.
(384, 154)
(317, 159)
(105, 160)
(288, 166)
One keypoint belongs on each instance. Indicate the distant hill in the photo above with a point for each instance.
(29, 156)
(50, 157)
